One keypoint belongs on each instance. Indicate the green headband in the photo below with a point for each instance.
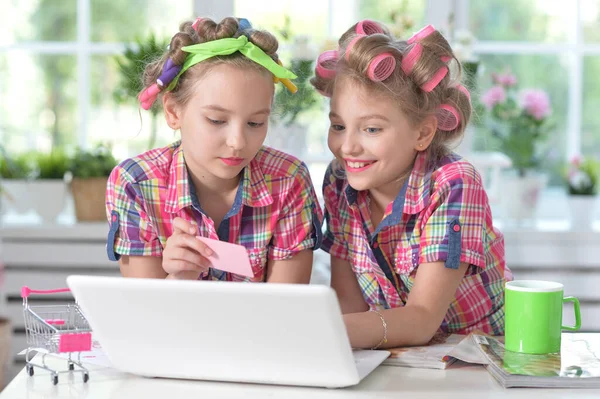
(203, 51)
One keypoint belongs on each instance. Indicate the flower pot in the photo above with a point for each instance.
(48, 197)
(581, 211)
(520, 195)
(15, 196)
(89, 198)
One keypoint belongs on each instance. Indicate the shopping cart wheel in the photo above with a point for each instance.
(54, 378)
(71, 366)
(86, 377)
(29, 369)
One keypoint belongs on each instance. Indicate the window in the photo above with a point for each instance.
(395, 12)
(548, 44)
(59, 72)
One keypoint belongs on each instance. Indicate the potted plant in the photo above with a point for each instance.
(581, 179)
(15, 175)
(131, 66)
(520, 122)
(289, 133)
(48, 190)
(90, 171)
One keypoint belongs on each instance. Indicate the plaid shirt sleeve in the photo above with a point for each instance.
(453, 223)
(299, 225)
(333, 240)
(130, 231)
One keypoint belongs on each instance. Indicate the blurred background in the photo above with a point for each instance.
(69, 75)
(62, 86)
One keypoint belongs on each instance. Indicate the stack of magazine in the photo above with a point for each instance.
(576, 366)
(441, 352)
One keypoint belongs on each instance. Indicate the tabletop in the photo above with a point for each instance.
(385, 382)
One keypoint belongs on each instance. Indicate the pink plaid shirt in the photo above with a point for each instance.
(440, 215)
(275, 213)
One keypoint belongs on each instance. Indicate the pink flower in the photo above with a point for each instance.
(576, 161)
(493, 96)
(507, 80)
(536, 103)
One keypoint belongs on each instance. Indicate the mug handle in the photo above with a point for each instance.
(577, 325)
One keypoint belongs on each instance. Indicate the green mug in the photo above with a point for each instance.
(533, 316)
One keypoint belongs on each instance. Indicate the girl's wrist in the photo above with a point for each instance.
(363, 330)
(384, 339)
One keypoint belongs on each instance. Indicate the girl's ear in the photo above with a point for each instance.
(173, 113)
(427, 130)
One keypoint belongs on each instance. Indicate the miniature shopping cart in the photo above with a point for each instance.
(55, 329)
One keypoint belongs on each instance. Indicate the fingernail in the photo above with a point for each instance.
(208, 252)
(192, 230)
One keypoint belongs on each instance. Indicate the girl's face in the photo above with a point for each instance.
(224, 123)
(372, 138)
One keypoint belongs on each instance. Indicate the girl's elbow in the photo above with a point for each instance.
(423, 338)
(425, 328)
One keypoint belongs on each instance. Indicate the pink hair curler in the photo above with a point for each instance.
(435, 80)
(326, 60)
(352, 43)
(422, 34)
(381, 67)
(447, 117)
(196, 22)
(445, 58)
(410, 59)
(464, 90)
(368, 27)
(148, 96)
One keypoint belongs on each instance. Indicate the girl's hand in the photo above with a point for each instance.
(184, 256)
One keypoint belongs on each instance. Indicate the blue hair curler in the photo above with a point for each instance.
(244, 24)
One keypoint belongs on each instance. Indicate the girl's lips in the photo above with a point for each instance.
(355, 166)
(232, 161)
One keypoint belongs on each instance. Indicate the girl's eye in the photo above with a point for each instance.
(338, 128)
(373, 130)
(255, 124)
(216, 121)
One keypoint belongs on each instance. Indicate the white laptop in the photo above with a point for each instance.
(244, 332)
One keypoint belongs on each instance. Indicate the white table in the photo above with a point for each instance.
(460, 381)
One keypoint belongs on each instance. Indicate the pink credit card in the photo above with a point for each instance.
(228, 257)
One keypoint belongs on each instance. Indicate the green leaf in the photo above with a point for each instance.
(132, 64)
(16, 167)
(288, 107)
(98, 162)
(52, 166)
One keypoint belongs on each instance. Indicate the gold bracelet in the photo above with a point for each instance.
(384, 339)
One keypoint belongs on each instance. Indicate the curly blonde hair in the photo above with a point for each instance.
(202, 31)
(410, 88)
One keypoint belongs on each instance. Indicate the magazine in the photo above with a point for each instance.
(441, 352)
(576, 366)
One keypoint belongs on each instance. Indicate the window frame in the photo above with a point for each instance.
(341, 14)
(575, 50)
